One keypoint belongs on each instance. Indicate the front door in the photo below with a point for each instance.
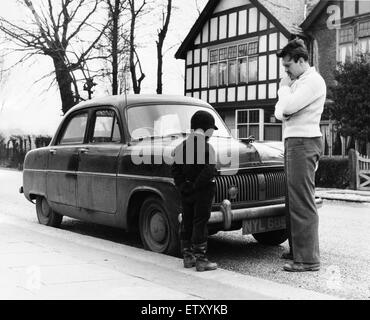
(97, 173)
(63, 161)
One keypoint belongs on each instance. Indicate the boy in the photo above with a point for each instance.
(194, 170)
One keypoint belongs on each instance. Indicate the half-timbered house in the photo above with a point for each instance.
(230, 60)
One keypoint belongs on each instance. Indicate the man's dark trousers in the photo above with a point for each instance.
(301, 157)
(196, 213)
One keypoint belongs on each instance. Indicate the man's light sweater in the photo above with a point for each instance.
(300, 106)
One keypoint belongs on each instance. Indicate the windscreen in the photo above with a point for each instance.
(164, 120)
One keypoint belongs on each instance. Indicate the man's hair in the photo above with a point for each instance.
(295, 49)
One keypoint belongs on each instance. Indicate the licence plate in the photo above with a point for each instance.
(263, 224)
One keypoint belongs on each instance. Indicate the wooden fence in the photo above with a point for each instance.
(360, 168)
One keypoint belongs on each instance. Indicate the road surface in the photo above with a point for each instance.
(344, 244)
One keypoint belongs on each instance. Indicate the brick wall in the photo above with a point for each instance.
(327, 47)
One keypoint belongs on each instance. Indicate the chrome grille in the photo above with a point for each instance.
(251, 186)
(275, 184)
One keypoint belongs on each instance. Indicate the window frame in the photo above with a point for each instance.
(92, 119)
(65, 125)
(345, 43)
(261, 122)
(223, 54)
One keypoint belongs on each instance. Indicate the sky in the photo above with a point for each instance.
(28, 105)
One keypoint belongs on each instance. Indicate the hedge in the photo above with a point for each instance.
(333, 173)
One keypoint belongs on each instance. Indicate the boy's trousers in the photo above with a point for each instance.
(196, 213)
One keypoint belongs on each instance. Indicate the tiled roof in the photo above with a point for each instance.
(287, 15)
(290, 13)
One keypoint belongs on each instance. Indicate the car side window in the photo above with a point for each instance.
(74, 133)
(106, 127)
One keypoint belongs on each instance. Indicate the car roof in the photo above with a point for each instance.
(122, 101)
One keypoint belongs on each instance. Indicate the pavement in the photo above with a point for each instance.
(343, 194)
(45, 263)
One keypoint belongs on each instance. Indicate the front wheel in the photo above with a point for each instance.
(45, 215)
(272, 238)
(158, 232)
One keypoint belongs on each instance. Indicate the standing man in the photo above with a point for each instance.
(301, 102)
(194, 170)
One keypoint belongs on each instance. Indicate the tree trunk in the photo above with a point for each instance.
(161, 36)
(135, 86)
(159, 67)
(64, 81)
(115, 34)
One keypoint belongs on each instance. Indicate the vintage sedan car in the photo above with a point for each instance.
(110, 163)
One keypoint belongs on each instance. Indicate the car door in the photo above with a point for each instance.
(63, 160)
(97, 174)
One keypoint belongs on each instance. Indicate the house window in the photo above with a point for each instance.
(364, 35)
(233, 52)
(213, 55)
(213, 75)
(346, 38)
(233, 65)
(253, 69)
(222, 76)
(250, 122)
(252, 48)
(223, 54)
(365, 45)
(243, 72)
(232, 71)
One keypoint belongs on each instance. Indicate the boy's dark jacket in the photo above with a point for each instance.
(194, 164)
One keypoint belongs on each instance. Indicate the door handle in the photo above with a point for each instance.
(83, 150)
(52, 151)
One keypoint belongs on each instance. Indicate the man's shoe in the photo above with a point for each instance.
(287, 256)
(301, 267)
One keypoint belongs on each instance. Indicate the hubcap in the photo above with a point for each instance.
(158, 227)
(45, 208)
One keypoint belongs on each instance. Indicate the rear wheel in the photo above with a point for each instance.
(158, 232)
(46, 215)
(272, 238)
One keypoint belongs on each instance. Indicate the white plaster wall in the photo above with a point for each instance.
(229, 4)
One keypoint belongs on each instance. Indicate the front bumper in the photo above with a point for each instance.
(226, 215)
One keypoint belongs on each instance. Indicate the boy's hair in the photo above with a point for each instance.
(295, 49)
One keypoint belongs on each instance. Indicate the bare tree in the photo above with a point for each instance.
(166, 16)
(134, 60)
(55, 31)
(117, 42)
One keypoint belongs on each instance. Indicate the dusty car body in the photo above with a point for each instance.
(109, 163)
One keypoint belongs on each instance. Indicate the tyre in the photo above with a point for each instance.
(272, 238)
(158, 231)
(46, 215)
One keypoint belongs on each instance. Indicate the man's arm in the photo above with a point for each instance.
(291, 102)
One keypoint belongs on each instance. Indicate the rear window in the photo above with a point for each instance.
(74, 133)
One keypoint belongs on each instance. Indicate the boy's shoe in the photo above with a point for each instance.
(187, 253)
(203, 264)
(189, 261)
